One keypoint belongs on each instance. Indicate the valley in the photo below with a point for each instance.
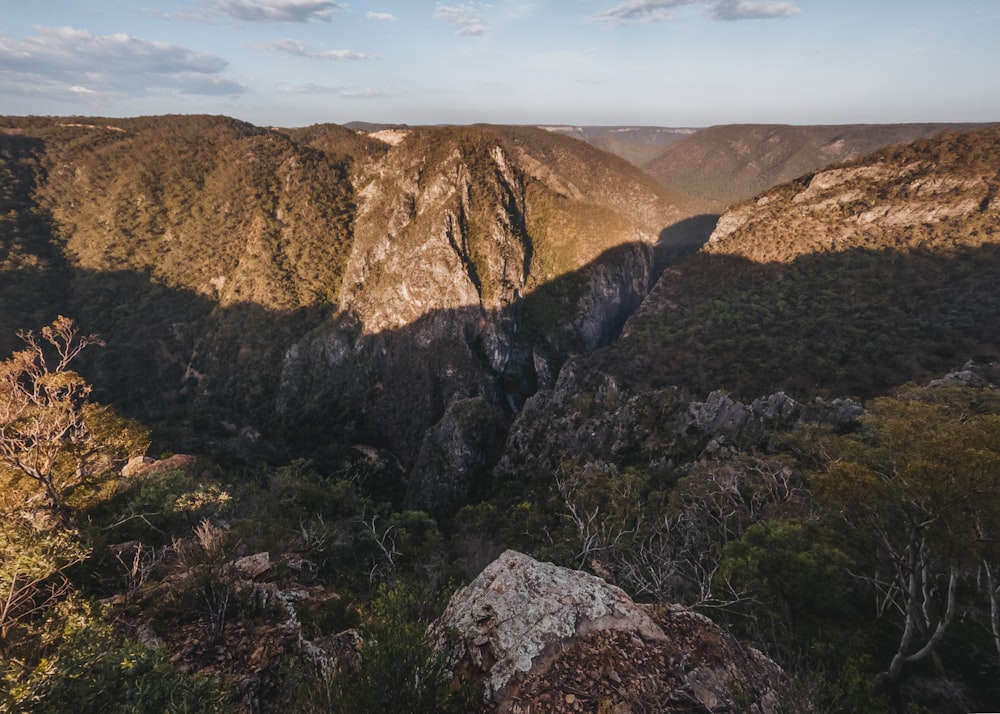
(746, 371)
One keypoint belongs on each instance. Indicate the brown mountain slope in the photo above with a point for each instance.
(726, 164)
(232, 268)
(846, 282)
(482, 257)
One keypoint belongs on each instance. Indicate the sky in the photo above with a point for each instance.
(676, 63)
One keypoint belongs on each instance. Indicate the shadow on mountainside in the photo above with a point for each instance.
(210, 377)
(853, 323)
(204, 373)
(32, 271)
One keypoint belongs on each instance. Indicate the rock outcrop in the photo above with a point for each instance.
(722, 419)
(453, 453)
(546, 638)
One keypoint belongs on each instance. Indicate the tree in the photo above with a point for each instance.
(921, 488)
(33, 567)
(49, 432)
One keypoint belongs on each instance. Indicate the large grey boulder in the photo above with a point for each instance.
(547, 638)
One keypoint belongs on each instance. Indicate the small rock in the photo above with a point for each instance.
(253, 566)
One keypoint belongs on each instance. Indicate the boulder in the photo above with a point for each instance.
(546, 638)
(253, 566)
(718, 415)
(777, 409)
(136, 465)
(838, 412)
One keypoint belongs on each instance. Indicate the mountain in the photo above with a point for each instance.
(392, 357)
(262, 277)
(482, 257)
(636, 144)
(845, 282)
(726, 164)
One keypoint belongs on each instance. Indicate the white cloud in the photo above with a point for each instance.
(298, 49)
(636, 12)
(345, 92)
(384, 16)
(64, 60)
(752, 9)
(467, 18)
(275, 10)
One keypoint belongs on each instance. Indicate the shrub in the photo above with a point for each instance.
(90, 669)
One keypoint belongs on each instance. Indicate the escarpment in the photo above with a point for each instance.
(481, 259)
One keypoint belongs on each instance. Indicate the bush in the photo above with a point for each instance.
(399, 670)
(90, 669)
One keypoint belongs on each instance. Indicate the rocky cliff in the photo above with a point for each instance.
(481, 259)
(546, 638)
(327, 284)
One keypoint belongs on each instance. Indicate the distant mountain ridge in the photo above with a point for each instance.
(636, 144)
(728, 163)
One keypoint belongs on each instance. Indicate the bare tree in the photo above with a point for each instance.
(919, 490)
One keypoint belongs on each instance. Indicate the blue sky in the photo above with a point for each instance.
(677, 63)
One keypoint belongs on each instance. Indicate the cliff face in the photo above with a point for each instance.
(481, 259)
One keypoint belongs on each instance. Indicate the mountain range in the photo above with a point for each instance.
(502, 321)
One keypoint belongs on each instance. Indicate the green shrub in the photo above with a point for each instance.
(90, 669)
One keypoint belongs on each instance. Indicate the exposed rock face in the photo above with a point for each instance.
(545, 637)
(839, 412)
(481, 259)
(845, 207)
(724, 419)
(453, 452)
(972, 374)
(588, 417)
(730, 163)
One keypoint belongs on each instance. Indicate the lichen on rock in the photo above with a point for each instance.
(546, 638)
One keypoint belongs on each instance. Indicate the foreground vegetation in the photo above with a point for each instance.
(863, 558)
